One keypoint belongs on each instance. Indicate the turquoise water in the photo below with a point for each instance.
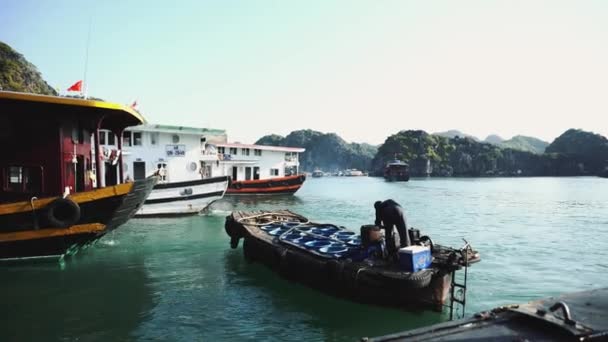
(177, 279)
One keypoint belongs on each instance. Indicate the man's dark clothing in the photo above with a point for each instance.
(389, 213)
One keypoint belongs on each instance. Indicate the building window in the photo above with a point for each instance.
(126, 138)
(233, 150)
(154, 138)
(111, 138)
(221, 149)
(102, 137)
(245, 151)
(136, 138)
(274, 172)
(257, 152)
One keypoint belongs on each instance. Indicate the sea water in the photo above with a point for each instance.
(178, 279)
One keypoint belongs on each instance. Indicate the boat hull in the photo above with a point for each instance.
(360, 281)
(271, 186)
(183, 198)
(25, 234)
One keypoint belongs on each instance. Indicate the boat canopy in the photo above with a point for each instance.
(104, 115)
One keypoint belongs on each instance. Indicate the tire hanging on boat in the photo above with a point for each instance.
(62, 213)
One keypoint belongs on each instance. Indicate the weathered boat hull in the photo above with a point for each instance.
(25, 234)
(359, 281)
(541, 320)
(271, 186)
(183, 198)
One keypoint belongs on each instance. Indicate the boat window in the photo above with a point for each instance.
(154, 138)
(257, 152)
(233, 150)
(221, 150)
(245, 151)
(126, 138)
(161, 169)
(136, 138)
(274, 172)
(175, 138)
(111, 138)
(23, 179)
(102, 137)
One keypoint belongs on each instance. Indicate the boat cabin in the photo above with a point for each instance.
(175, 153)
(252, 162)
(47, 143)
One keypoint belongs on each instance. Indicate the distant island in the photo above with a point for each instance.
(444, 154)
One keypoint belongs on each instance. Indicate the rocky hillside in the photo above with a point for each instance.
(17, 74)
(325, 151)
(573, 153)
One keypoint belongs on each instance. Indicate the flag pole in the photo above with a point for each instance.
(86, 59)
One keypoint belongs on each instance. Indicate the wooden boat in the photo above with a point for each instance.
(580, 316)
(268, 186)
(282, 241)
(51, 200)
(397, 171)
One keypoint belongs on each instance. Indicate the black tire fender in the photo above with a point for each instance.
(420, 279)
(237, 186)
(62, 213)
(302, 178)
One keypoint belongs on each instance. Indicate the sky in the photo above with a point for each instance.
(362, 69)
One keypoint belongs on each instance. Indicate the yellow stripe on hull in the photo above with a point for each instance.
(79, 197)
(52, 232)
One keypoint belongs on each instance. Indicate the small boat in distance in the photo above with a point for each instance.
(336, 260)
(317, 173)
(397, 171)
(51, 203)
(353, 173)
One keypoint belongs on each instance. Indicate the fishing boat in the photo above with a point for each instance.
(334, 259)
(317, 173)
(51, 203)
(185, 161)
(259, 169)
(397, 171)
(579, 316)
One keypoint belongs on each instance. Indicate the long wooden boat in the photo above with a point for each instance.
(268, 186)
(287, 242)
(579, 316)
(53, 197)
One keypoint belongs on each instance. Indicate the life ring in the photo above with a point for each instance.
(62, 213)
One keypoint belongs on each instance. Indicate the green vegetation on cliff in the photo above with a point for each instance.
(441, 156)
(523, 143)
(17, 74)
(326, 151)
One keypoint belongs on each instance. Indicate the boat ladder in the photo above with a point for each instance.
(458, 289)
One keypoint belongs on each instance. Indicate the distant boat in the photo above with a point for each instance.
(353, 173)
(397, 171)
(317, 173)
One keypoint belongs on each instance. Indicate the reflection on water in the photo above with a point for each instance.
(44, 301)
(178, 279)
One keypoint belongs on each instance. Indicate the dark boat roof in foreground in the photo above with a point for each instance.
(114, 115)
(545, 319)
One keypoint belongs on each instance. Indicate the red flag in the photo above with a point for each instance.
(134, 105)
(76, 86)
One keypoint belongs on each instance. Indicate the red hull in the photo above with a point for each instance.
(272, 186)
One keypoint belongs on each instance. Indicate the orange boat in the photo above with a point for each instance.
(270, 186)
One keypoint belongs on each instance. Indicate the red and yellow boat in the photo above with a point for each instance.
(52, 202)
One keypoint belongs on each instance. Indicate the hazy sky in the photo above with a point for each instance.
(362, 69)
